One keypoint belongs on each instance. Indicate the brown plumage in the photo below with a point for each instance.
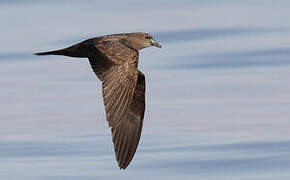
(114, 59)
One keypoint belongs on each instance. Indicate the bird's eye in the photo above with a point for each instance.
(148, 37)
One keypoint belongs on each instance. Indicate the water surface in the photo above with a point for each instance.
(217, 92)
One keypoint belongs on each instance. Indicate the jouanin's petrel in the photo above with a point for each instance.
(114, 59)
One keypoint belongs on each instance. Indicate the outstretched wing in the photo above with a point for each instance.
(118, 73)
(124, 96)
(126, 136)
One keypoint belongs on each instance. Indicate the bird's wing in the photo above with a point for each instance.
(126, 136)
(124, 96)
(119, 75)
(117, 52)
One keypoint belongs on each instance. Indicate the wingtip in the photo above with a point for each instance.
(123, 165)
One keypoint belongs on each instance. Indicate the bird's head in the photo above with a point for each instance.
(140, 40)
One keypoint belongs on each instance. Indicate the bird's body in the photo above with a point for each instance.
(114, 59)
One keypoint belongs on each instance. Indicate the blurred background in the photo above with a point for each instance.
(218, 92)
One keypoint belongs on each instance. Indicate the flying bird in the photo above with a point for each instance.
(114, 59)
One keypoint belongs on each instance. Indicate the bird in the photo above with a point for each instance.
(114, 59)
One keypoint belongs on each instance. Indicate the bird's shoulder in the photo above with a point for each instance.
(113, 49)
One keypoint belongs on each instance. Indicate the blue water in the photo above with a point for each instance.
(217, 92)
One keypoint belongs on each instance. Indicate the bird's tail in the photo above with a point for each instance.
(57, 52)
(77, 50)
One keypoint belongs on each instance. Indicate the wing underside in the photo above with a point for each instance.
(124, 98)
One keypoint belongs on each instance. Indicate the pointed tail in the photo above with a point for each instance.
(78, 50)
(57, 52)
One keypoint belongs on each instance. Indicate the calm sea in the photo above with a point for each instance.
(218, 92)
